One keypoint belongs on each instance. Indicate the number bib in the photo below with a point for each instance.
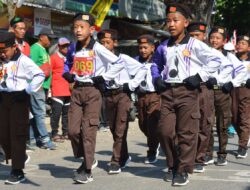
(84, 64)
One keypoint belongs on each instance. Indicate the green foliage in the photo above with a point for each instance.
(233, 14)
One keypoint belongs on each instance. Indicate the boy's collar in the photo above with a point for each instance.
(89, 46)
(16, 55)
(185, 40)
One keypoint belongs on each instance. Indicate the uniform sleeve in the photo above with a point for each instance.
(136, 69)
(35, 75)
(240, 71)
(69, 59)
(158, 62)
(225, 70)
(211, 62)
(116, 64)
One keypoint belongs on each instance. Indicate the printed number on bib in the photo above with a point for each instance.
(83, 66)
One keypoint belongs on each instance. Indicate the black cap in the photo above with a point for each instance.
(109, 33)
(146, 38)
(15, 20)
(197, 27)
(7, 39)
(180, 8)
(220, 30)
(245, 38)
(47, 32)
(87, 17)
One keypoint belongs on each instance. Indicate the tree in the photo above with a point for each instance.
(233, 14)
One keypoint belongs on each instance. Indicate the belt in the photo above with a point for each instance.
(216, 87)
(145, 92)
(111, 92)
(83, 84)
(242, 85)
(175, 84)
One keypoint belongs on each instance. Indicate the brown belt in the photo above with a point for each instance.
(111, 92)
(175, 84)
(82, 84)
(216, 87)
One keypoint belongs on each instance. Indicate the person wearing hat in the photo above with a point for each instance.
(148, 100)
(241, 99)
(235, 75)
(206, 102)
(88, 65)
(39, 54)
(181, 63)
(18, 26)
(118, 101)
(19, 77)
(60, 92)
(197, 30)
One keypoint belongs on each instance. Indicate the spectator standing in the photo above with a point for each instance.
(18, 26)
(40, 56)
(60, 92)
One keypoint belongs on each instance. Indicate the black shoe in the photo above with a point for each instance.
(150, 160)
(2, 157)
(16, 177)
(208, 160)
(221, 161)
(242, 153)
(180, 179)
(125, 164)
(198, 168)
(27, 159)
(83, 177)
(81, 168)
(114, 169)
(95, 164)
(169, 176)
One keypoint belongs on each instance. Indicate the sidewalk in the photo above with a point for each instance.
(51, 170)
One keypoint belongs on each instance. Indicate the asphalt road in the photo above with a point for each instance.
(51, 170)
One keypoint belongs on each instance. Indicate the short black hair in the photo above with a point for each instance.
(15, 20)
(146, 38)
(245, 38)
(108, 33)
(220, 30)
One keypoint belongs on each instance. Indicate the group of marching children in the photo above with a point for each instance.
(182, 86)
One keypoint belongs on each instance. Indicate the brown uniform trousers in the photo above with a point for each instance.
(206, 102)
(148, 114)
(117, 106)
(241, 114)
(179, 126)
(222, 103)
(83, 115)
(14, 127)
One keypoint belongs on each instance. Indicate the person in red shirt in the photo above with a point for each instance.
(18, 26)
(60, 91)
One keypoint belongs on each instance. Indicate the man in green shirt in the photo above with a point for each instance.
(39, 54)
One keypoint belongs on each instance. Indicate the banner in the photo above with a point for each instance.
(143, 10)
(42, 19)
(100, 10)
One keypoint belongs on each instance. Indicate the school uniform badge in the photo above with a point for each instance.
(91, 53)
(186, 53)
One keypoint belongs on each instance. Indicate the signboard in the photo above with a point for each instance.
(143, 10)
(42, 19)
